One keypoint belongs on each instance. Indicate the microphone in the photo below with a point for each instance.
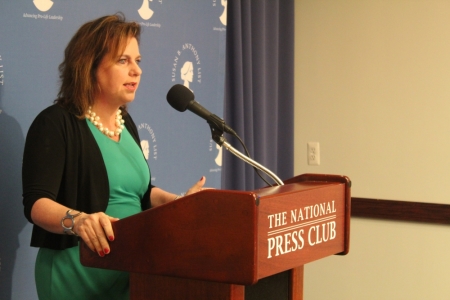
(181, 98)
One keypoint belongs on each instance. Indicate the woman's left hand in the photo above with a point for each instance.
(159, 196)
(197, 187)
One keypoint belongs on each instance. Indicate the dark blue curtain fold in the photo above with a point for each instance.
(259, 90)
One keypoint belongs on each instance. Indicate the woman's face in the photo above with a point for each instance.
(119, 79)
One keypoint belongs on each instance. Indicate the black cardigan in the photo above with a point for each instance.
(63, 162)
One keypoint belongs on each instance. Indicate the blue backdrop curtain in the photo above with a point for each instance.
(259, 89)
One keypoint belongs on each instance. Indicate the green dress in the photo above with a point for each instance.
(59, 273)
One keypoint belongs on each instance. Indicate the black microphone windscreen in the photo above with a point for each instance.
(179, 97)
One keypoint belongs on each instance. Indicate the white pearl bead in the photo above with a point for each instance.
(92, 116)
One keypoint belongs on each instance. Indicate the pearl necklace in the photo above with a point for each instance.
(92, 116)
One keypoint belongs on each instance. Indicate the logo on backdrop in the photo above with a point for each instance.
(145, 12)
(43, 5)
(2, 74)
(218, 158)
(148, 141)
(186, 68)
(187, 73)
(223, 15)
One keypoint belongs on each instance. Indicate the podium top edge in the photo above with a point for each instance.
(312, 177)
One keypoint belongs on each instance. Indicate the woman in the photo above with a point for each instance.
(83, 167)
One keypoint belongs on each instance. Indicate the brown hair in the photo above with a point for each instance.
(104, 37)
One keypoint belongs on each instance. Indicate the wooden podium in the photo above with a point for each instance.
(217, 244)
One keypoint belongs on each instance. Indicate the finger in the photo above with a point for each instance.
(91, 231)
(197, 187)
(107, 227)
(95, 240)
(87, 240)
(94, 233)
(201, 182)
(101, 243)
(80, 228)
(104, 232)
(89, 236)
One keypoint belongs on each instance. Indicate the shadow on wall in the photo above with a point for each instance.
(12, 220)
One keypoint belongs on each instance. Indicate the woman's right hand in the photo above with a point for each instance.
(96, 231)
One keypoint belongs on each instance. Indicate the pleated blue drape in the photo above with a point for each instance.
(259, 89)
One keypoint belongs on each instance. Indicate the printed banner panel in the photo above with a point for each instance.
(182, 42)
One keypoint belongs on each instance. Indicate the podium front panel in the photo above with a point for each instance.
(299, 223)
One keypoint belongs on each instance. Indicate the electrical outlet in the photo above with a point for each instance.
(313, 153)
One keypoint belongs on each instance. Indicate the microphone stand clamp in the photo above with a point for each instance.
(217, 136)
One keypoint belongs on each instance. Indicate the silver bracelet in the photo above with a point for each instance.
(68, 216)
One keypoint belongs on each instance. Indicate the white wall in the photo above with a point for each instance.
(372, 87)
